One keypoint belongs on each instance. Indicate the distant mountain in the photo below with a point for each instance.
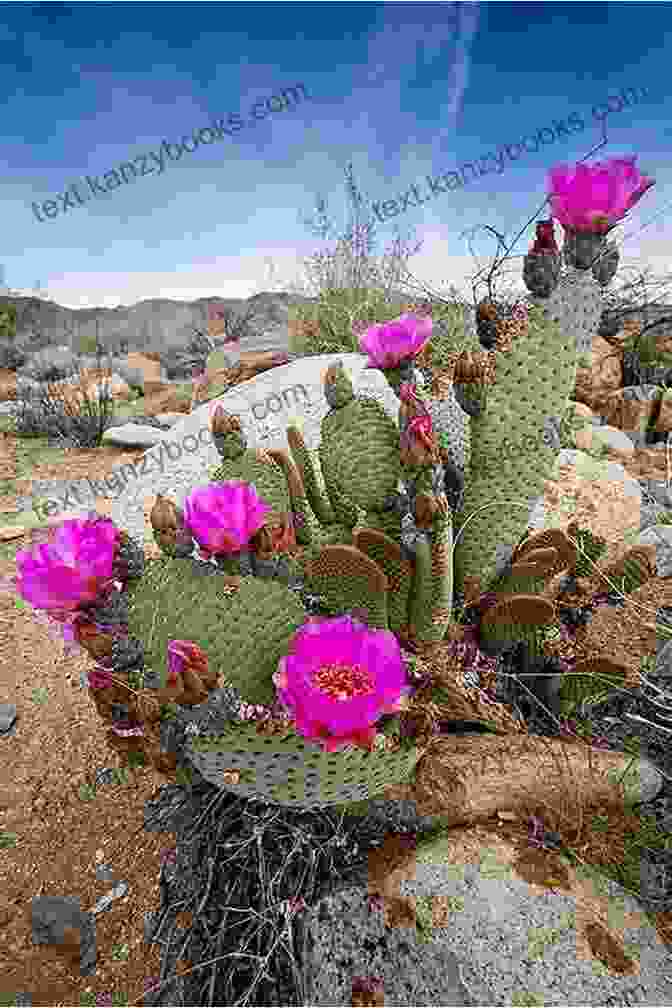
(157, 324)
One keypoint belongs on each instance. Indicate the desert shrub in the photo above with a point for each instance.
(50, 364)
(48, 411)
(329, 321)
(12, 357)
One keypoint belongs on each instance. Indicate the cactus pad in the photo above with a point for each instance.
(348, 579)
(244, 634)
(293, 771)
(589, 678)
(359, 455)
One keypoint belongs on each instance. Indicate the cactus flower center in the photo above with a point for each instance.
(343, 681)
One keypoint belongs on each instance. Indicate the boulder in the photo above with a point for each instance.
(630, 409)
(169, 419)
(600, 494)
(133, 435)
(592, 437)
(602, 376)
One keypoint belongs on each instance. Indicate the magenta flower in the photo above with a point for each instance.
(184, 654)
(338, 678)
(128, 729)
(595, 197)
(223, 517)
(99, 677)
(74, 567)
(389, 343)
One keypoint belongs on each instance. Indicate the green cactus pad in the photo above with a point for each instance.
(509, 458)
(575, 689)
(290, 770)
(306, 465)
(267, 478)
(244, 635)
(359, 455)
(636, 571)
(385, 552)
(348, 579)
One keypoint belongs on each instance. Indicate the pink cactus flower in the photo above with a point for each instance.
(595, 197)
(74, 567)
(338, 678)
(420, 428)
(223, 517)
(184, 654)
(389, 343)
(99, 677)
(128, 729)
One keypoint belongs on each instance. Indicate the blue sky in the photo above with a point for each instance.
(401, 90)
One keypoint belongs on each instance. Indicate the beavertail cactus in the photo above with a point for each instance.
(272, 472)
(359, 460)
(510, 456)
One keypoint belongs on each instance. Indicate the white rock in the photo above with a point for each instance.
(593, 436)
(133, 436)
(659, 536)
(170, 418)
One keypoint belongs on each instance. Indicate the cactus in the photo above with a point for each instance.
(604, 270)
(272, 472)
(359, 459)
(244, 633)
(384, 553)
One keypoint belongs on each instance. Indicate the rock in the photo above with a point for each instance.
(630, 409)
(345, 939)
(659, 536)
(133, 436)
(603, 375)
(7, 717)
(592, 437)
(59, 920)
(169, 419)
(529, 914)
(610, 499)
(143, 368)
